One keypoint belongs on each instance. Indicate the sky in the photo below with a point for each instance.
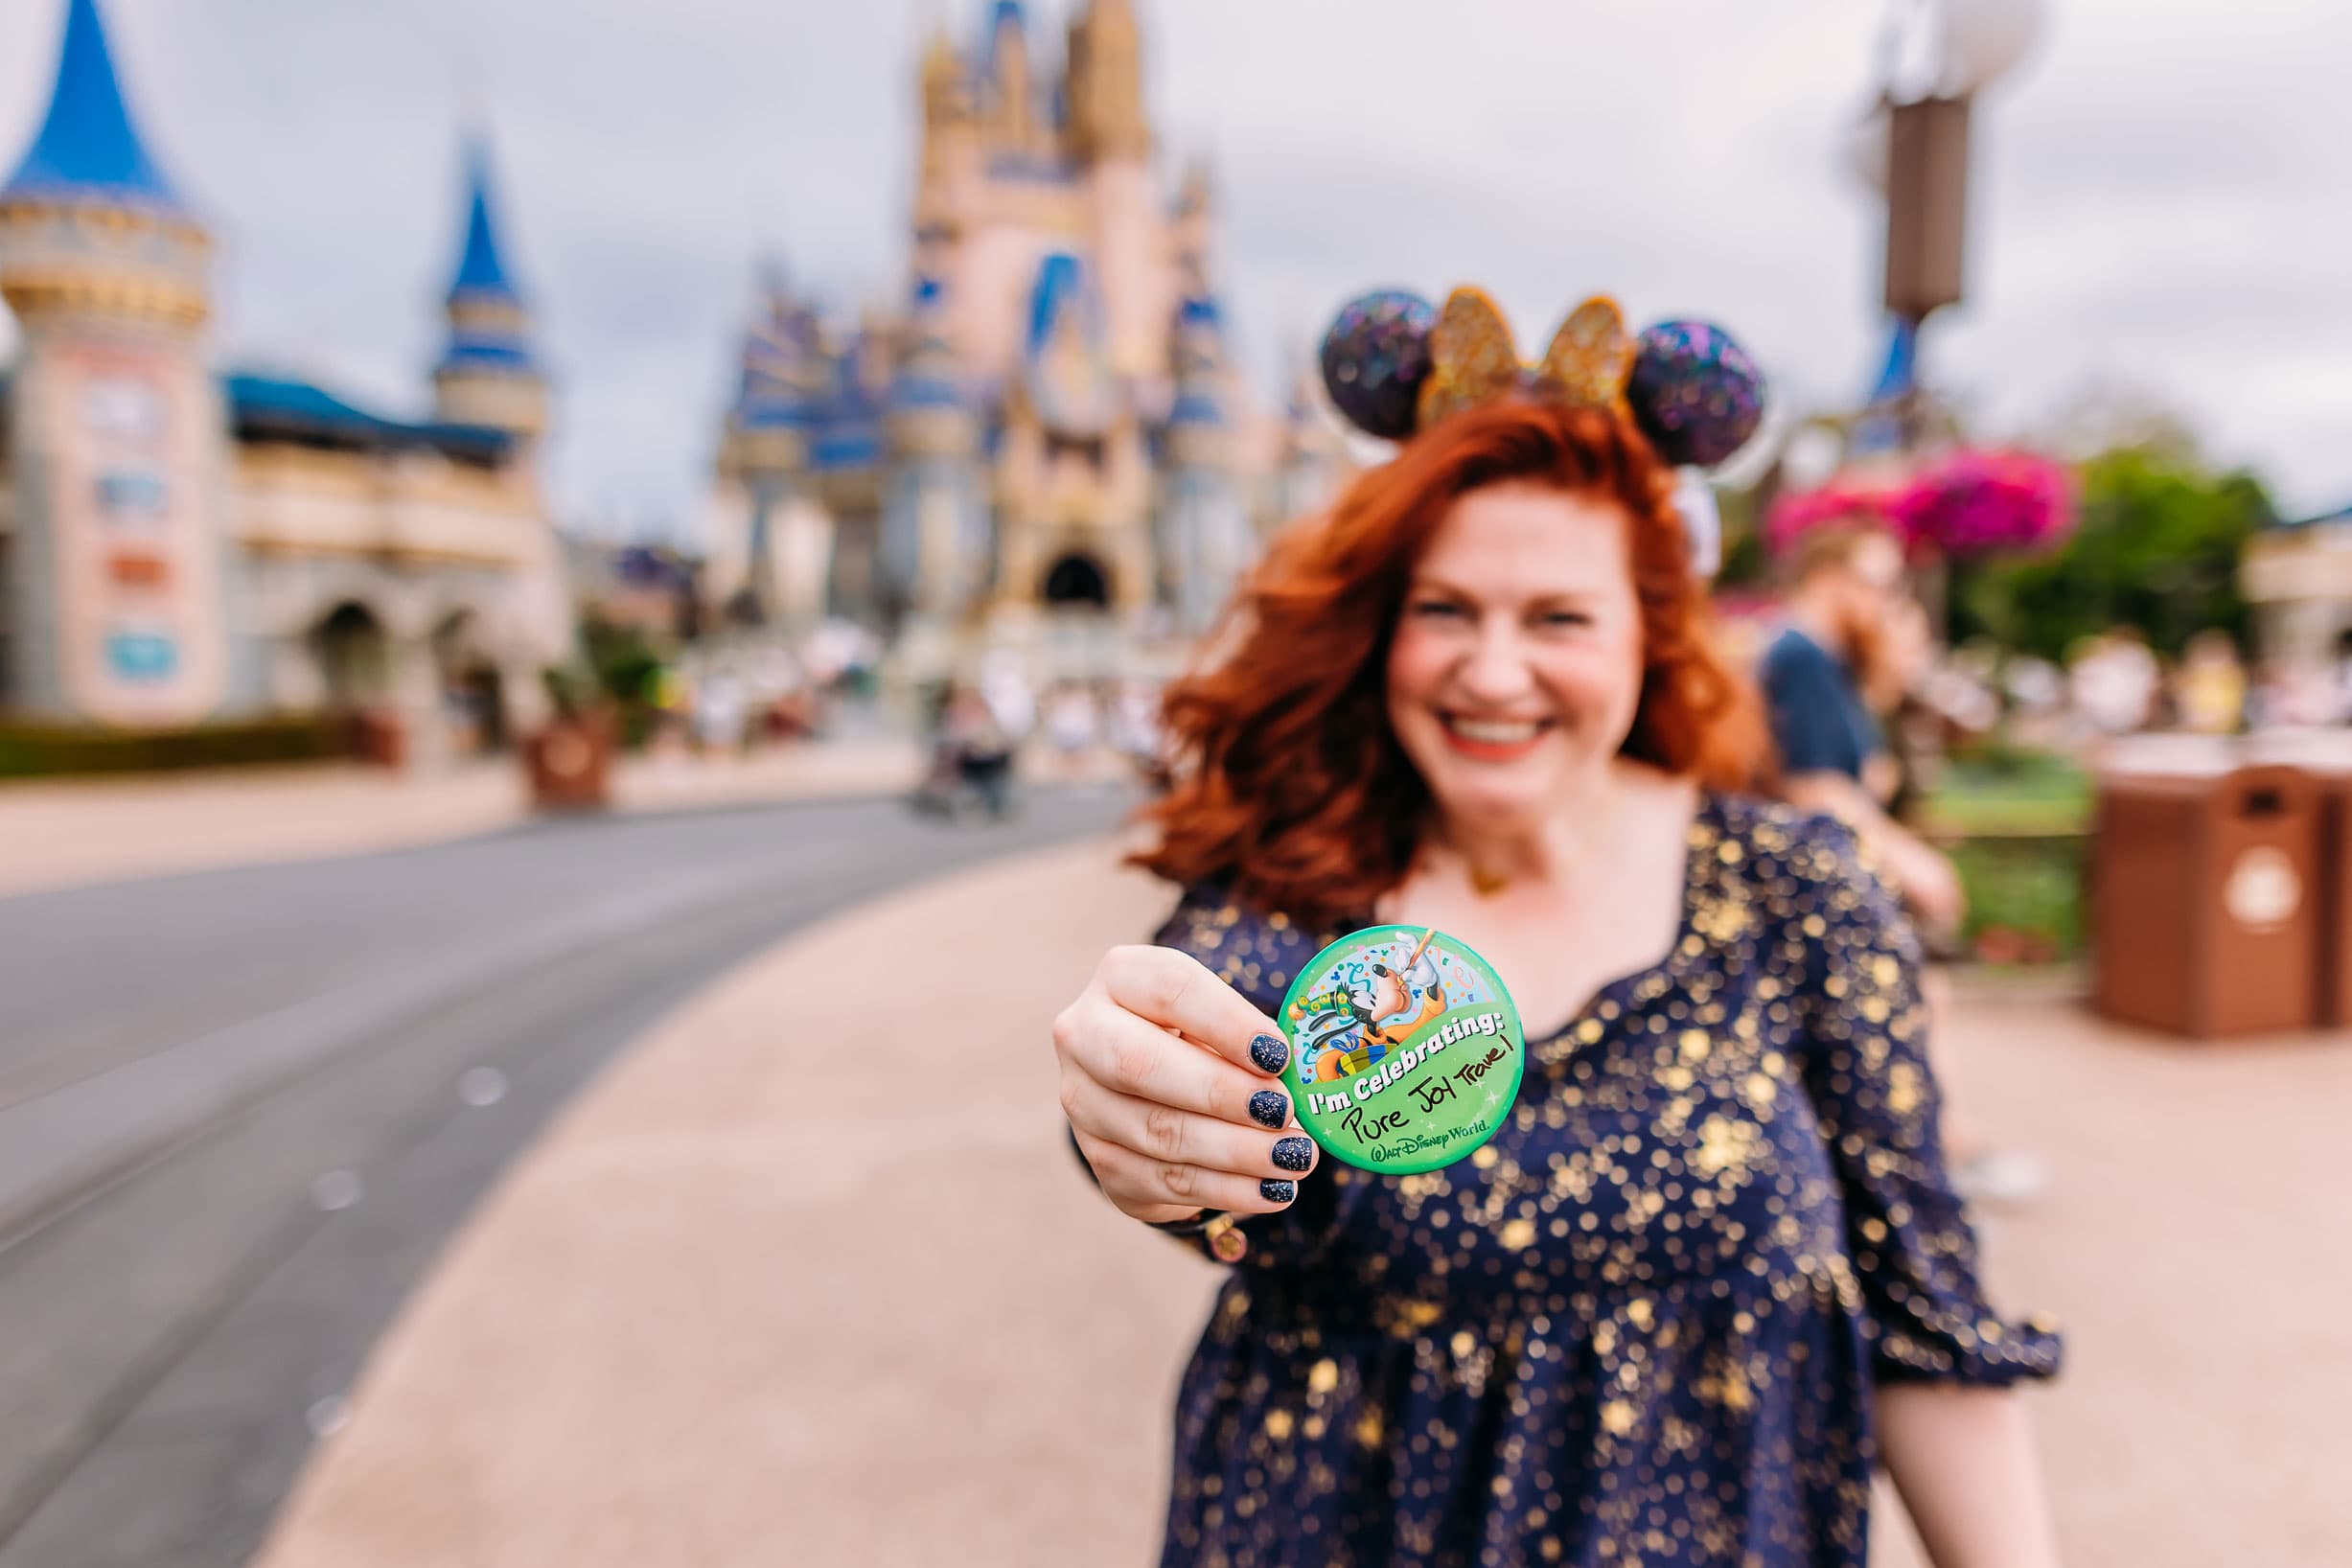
(2159, 205)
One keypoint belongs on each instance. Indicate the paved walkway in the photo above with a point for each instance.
(64, 833)
(807, 1278)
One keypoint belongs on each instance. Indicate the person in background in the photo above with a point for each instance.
(1005, 685)
(1894, 666)
(1853, 643)
(1137, 733)
(1848, 583)
(719, 712)
(2114, 683)
(2210, 686)
(982, 751)
(1073, 722)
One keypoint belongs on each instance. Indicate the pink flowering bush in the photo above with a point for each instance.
(1973, 503)
(1965, 504)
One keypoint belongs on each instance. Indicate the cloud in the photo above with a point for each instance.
(2157, 195)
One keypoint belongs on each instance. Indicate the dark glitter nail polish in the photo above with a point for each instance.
(1269, 1052)
(1274, 1191)
(1269, 1108)
(1294, 1153)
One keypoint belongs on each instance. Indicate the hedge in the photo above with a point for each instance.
(34, 750)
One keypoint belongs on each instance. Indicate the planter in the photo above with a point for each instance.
(569, 763)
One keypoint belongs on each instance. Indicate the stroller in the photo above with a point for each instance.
(970, 763)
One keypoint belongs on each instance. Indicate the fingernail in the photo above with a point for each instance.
(1269, 1108)
(1274, 1191)
(1294, 1153)
(1269, 1052)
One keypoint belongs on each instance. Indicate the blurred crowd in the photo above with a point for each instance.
(2115, 684)
(979, 730)
(723, 699)
(1934, 700)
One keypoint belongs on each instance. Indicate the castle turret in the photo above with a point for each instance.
(1204, 536)
(1110, 144)
(1009, 95)
(115, 574)
(950, 162)
(935, 543)
(1105, 85)
(1314, 461)
(489, 374)
(1192, 227)
(764, 458)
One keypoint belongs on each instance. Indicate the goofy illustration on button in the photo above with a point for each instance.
(1352, 1026)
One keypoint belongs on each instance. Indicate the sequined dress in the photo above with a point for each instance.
(1641, 1325)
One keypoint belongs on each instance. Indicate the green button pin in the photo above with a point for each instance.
(1406, 1052)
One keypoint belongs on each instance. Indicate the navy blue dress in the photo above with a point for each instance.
(1642, 1326)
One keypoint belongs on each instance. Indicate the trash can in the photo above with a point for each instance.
(2326, 755)
(569, 762)
(2203, 908)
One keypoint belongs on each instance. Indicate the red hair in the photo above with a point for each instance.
(1290, 786)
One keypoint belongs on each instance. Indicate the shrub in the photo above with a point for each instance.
(34, 750)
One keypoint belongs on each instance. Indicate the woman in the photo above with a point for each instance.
(1843, 634)
(1835, 680)
(1711, 1268)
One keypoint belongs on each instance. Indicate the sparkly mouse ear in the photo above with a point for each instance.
(1374, 359)
(1695, 392)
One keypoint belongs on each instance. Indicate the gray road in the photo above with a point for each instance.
(241, 1110)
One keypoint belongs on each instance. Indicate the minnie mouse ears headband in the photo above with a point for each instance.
(1394, 365)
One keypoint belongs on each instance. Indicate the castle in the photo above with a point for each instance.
(179, 545)
(1047, 445)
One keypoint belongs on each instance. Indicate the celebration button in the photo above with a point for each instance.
(1406, 1052)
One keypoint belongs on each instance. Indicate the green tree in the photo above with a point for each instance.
(625, 665)
(2157, 548)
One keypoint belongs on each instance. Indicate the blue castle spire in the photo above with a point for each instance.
(88, 150)
(488, 326)
(481, 271)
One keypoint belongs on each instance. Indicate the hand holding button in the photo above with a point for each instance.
(1171, 1082)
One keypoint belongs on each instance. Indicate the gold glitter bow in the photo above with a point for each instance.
(1474, 360)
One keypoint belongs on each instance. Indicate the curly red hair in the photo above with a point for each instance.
(1291, 788)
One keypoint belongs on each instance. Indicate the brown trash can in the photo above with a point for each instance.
(569, 762)
(2334, 895)
(2204, 906)
(2327, 756)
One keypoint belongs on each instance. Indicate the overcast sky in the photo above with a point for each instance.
(2163, 196)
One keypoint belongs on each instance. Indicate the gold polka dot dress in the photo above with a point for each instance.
(1641, 1328)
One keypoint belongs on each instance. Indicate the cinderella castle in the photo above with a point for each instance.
(1046, 447)
(179, 545)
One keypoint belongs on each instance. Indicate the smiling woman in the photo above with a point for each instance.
(1712, 1248)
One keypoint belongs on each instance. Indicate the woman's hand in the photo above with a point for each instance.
(1170, 1081)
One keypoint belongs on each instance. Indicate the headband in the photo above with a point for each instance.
(1394, 365)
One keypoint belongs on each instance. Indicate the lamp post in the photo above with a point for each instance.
(1938, 57)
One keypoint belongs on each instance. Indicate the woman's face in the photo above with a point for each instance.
(1517, 661)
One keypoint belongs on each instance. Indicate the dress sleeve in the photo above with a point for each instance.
(1914, 1253)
